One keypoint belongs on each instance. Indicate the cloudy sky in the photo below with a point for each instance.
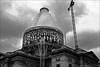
(16, 15)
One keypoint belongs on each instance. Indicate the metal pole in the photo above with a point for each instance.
(45, 51)
(42, 50)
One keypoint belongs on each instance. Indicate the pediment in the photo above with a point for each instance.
(92, 55)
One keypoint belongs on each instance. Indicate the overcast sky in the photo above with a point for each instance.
(16, 15)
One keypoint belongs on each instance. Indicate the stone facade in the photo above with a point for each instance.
(62, 57)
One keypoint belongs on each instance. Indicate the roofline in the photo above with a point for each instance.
(97, 59)
(64, 50)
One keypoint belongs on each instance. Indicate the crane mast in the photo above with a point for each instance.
(73, 23)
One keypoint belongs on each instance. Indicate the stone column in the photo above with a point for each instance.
(8, 62)
(81, 61)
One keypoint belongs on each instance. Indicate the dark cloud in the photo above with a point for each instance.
(89, 40)
(12, 27)
(62, 15)
(7, 47)
(16, 26)
(86, 40)
(10, 44)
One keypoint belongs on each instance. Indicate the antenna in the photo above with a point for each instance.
(73, 23)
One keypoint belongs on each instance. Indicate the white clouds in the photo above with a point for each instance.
(91, 20)
(17, 43)
(2, 40)
(10, 44)
(12, 11)
(35, 5)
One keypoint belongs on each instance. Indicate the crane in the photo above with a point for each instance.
(73, 23)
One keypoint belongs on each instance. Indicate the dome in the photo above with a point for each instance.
(44, 18)
(43, 30)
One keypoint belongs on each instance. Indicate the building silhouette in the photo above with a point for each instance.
(43, 46)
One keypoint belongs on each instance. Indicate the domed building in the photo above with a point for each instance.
(43, 46)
